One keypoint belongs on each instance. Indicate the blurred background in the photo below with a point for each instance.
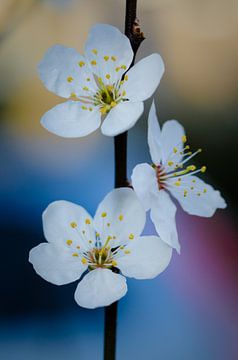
(190, 311)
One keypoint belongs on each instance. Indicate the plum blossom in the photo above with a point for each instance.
(101, 248)
(171, 174)
(98, 86)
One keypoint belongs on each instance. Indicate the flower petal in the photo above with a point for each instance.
(55, 264)
(64, 71)
(146, 258)
(120, 215)
(162, 214)
(71, 119)
(143, 78)
(154, 136)
(100, 287)
(145, 184)
(122, 117)
(171, 139)
(63, 221)
(196, 197)
(109, 51)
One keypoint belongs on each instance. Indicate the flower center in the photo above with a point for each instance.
(172, 169)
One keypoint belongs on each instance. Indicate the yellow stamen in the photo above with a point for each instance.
(88, 221)
(94, 51)
(69, 242)
(131, 236)
(70, 79)
(104, 214)
(108, 76)
(120, 217)
(106, 58)
(73, 224)
(84, 261)
(184, 138)
(113, 58)
(93, 62)
(127, 252)
(75, 254)
(81, 63)
(203, 169)
(85, 88)
(114, 263)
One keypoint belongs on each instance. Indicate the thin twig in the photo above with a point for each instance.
(133, 32)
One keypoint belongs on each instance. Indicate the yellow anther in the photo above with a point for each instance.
(108, 224)
(193, 180)
(113, 104)
(122, 247)
(93, 62)
(81, 63)
(122, 82)
(126, 77)
(190, 153)
(131, 236)
(90, 109)
(85, 88)
(109, 238)
(123, 67)
(120, 217)
(205, 191)
(88, 79)
(75, 254)
(87, 221)
(94, 51)
(106, 58)
(78, 247)
(185, 193)
(69, 242)
(84, 261)
(117, 69)
(113, 58)
(104, 214)
(90, 241)
(70, 79)
(187, 147)
(175, 150)
(127, 252)
(184, 138)
(73, 95)
(170, 163)
(114, 263)
(199, 150)
(192, 188)
(123, 93)
(108, 76)
(84, 107)
(177, 183)
(97, 234)
(103, 110)
(203, 169)
(73, 224)
(191, 168)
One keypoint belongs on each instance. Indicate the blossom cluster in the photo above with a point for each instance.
(102, 89)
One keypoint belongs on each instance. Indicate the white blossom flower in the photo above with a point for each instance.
(170, 173)
(102, 246)
(96, 86)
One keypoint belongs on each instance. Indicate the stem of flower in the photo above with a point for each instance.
(132, 31)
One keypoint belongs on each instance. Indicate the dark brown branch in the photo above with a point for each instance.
(133, 32)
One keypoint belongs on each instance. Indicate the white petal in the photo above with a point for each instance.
(204, 204)
(63, 220)
(144, 77)
(154, 136)
(70, 120)
(148, 257)
(55, 264)
(162, 214)
(60, 72)
(122, 117)
(106, 40)
(171, 137)
(124, 214)
(145, 184)
(100, 287)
